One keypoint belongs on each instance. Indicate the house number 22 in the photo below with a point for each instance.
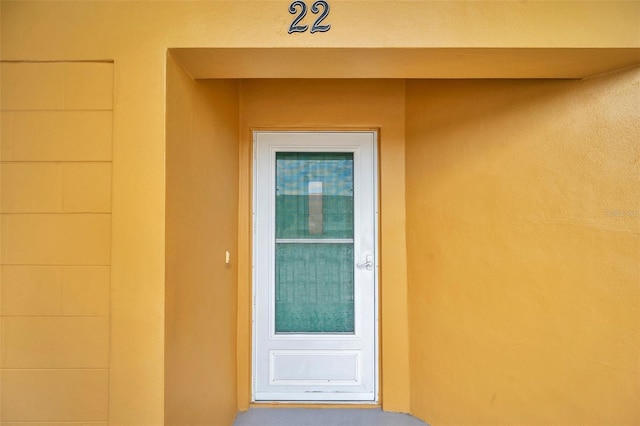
(302, 12)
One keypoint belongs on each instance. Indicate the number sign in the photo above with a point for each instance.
(300, 8)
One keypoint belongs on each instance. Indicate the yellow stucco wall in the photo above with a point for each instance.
(201, 226)
(136, 36)
(522, 201)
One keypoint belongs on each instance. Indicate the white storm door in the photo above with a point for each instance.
(315, 267)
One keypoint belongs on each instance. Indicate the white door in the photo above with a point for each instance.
(315, 267)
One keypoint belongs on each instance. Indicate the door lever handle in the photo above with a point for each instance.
(368, 264)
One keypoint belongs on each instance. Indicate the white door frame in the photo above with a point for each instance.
(371, 395)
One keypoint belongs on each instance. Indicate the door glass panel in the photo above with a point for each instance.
(314, 195)
(314, 243)
(314, 288)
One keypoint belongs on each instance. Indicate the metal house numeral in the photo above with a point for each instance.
(294, 27)
(300, 8)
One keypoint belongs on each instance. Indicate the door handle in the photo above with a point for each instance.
(368, 263)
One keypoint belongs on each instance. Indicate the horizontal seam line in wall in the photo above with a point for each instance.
(57, 213)
(55, 161)
(59, 110)
(52, 316)
(57, 61)
(56, 369)
(55, 265)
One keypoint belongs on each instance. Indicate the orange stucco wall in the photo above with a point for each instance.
(201, 226)
(134, 37)
(522, 201)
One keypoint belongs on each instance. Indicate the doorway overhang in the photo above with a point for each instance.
(409, 63)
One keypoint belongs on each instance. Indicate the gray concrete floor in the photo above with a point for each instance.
(324, 417)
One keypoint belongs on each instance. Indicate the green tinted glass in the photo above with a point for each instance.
(314, 243)
(314, 195)
(314, 288)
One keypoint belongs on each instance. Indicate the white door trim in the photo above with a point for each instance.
(315, 141)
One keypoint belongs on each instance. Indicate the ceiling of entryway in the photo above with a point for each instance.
(204, 63)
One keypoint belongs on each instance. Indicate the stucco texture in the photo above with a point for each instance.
(522, 206)
(509, 287)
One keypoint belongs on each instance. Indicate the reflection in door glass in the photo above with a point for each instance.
(314, 243)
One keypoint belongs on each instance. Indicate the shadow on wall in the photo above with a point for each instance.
(201, 226)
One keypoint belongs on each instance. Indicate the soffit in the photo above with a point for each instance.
(205, 63)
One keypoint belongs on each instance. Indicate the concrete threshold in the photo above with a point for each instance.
(324, 417)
